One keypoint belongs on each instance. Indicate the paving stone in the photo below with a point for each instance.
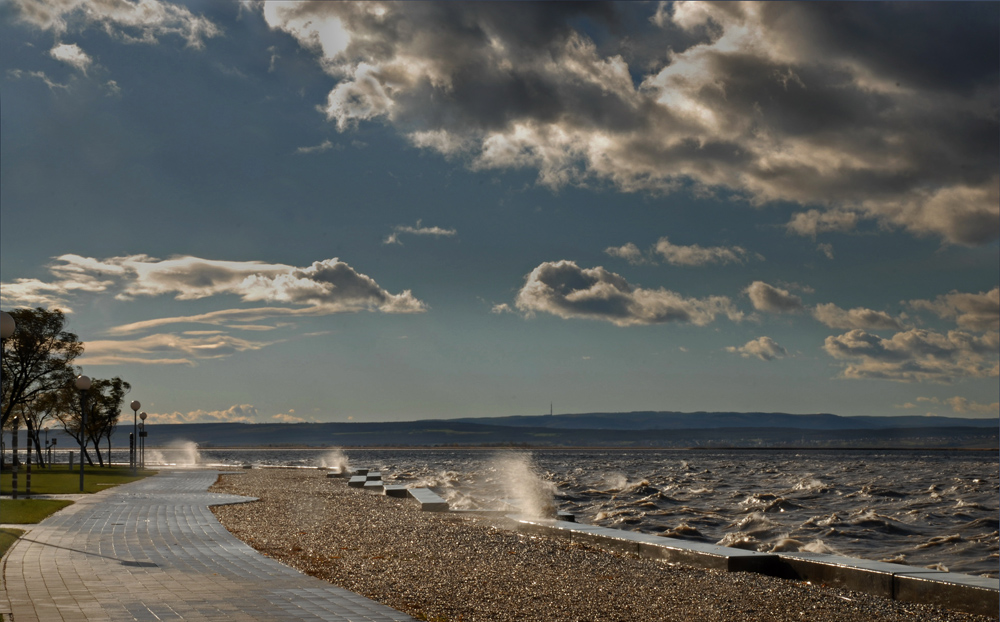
(153, 550)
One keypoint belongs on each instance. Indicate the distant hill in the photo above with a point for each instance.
(431, 433)
(650, 420)
(624, 430)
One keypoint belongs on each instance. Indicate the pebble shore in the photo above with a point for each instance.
(463, 568)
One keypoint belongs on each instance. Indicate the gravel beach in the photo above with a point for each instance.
(446, 567)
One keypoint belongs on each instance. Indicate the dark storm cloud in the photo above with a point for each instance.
(877, 111)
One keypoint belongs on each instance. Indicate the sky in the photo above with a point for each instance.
(320, 211)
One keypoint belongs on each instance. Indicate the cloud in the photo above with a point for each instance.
(916, 355)
(501, 308)
(289, 417)
(17, 74)
(54, 294)
(764, 348)
(223, 317)
(161, 349)
(815, 221)
(325, 287)
(773, 299)
(71, 54)
(326, 145)
(842, 109)
(971, 311)
(139, 21)
(629, 252)
(826, 249)
(695, 255)
(239, 413)
(833, 316)
(965, 406)
(959, 405)
(419, 229)
(563, 289)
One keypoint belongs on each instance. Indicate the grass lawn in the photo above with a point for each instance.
(29, 511)
(7, 538)
(63, 481)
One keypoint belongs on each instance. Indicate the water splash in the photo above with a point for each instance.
(521, 481)
(177, 453)
(336, 460)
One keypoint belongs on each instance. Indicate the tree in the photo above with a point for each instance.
(35, 413)
(38, 358)
(104, 402)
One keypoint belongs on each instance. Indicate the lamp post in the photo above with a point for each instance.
(135, 406)
(83, 385)
(7, 327)
(142, 440)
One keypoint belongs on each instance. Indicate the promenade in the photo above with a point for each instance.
(152, 550)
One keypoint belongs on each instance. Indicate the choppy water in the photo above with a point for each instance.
(923, 508)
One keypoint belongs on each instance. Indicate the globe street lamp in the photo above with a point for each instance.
(135, 406)
(142, 440)
(83, 385)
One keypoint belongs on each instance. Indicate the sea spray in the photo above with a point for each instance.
(177, 453)
(533, 495)
(336, 460)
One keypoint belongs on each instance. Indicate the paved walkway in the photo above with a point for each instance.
(152, 550)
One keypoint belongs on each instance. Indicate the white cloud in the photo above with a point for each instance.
(966, 406)
(501, 308)
(833, 316)
(419, 229)
(138, 21)
(765, 297)
(971, 311)
(563, 289)
(162, 348)
(17, 74)
(916, 355)
(289, 417)
(960, 405)
(326, 145)
(764, 348)
(826, 249)
(814, 221)
(696, 255)
(71, 54)
(38, 293)
(329, 286)
(629, 252)
(775, 101)
(239, 413)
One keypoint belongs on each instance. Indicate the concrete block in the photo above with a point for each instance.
(705, 555)
(428, 499)
(952, 590)
(395, 490)
(373, 485)
(861, 575)
(357, 481)
(373, 475)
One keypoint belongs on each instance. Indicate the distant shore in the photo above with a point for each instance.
(463, 567)
(558, 448)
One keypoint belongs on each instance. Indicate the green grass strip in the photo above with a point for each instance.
(60, 480)
(7, 538)
(29, 511)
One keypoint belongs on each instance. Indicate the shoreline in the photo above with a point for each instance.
(448, 567)
(554, 448)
